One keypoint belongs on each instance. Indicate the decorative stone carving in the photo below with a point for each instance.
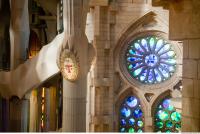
(69, 66)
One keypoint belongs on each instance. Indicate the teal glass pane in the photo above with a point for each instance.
(169, 124)
(123, 130)
(140, 131)
(163, 115)
(175, 116)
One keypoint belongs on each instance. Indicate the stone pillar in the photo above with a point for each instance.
(25, 115)
(74, 93)
(33, 111)
(184, 18)
(19, 31)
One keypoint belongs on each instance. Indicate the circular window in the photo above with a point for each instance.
(150, 59)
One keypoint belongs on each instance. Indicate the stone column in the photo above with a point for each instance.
(19, 31)
(74, 93)
(184, 18)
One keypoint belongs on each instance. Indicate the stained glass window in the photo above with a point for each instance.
(150, 59)
(167, 119)
(131, 115)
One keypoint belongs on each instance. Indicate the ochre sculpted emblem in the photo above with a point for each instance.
(69, 66)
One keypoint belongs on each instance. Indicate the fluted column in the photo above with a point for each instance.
(74, 93)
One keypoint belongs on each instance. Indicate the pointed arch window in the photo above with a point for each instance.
(167, 118)
(131, 115)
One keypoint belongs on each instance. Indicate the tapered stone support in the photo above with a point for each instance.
(74, 93)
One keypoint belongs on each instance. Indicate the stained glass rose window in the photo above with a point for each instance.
(150, 59)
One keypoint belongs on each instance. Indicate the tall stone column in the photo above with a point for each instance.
(184, 18)
(19, 31)
(74, 93)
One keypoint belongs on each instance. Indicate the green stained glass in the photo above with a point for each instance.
(175, 116)
(169, 124)
(131, 130)
(167, 119)
(159, 124)
(163, 115)
(170, 108)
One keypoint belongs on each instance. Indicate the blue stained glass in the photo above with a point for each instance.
(166, 103)
(164, 72)
(131, 121)
(158, 76)
(144, 44)
(131, 115)
(159, 44)
(151, 76)
(138, 47)
(152, 61)
(137, 113)
(126, 112)
(123, 122)
(131, 101)
(131, 59)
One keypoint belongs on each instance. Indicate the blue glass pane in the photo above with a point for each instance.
(144, 44)
(125, 112)
(131, 121)
(143, 75)
(151, 76)
(158, 76)
(159, 44)
(164, 72)
(123, 122)
(151, 60)
(138, 47)
(131, 101)
(166, 103)
(137, 113)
